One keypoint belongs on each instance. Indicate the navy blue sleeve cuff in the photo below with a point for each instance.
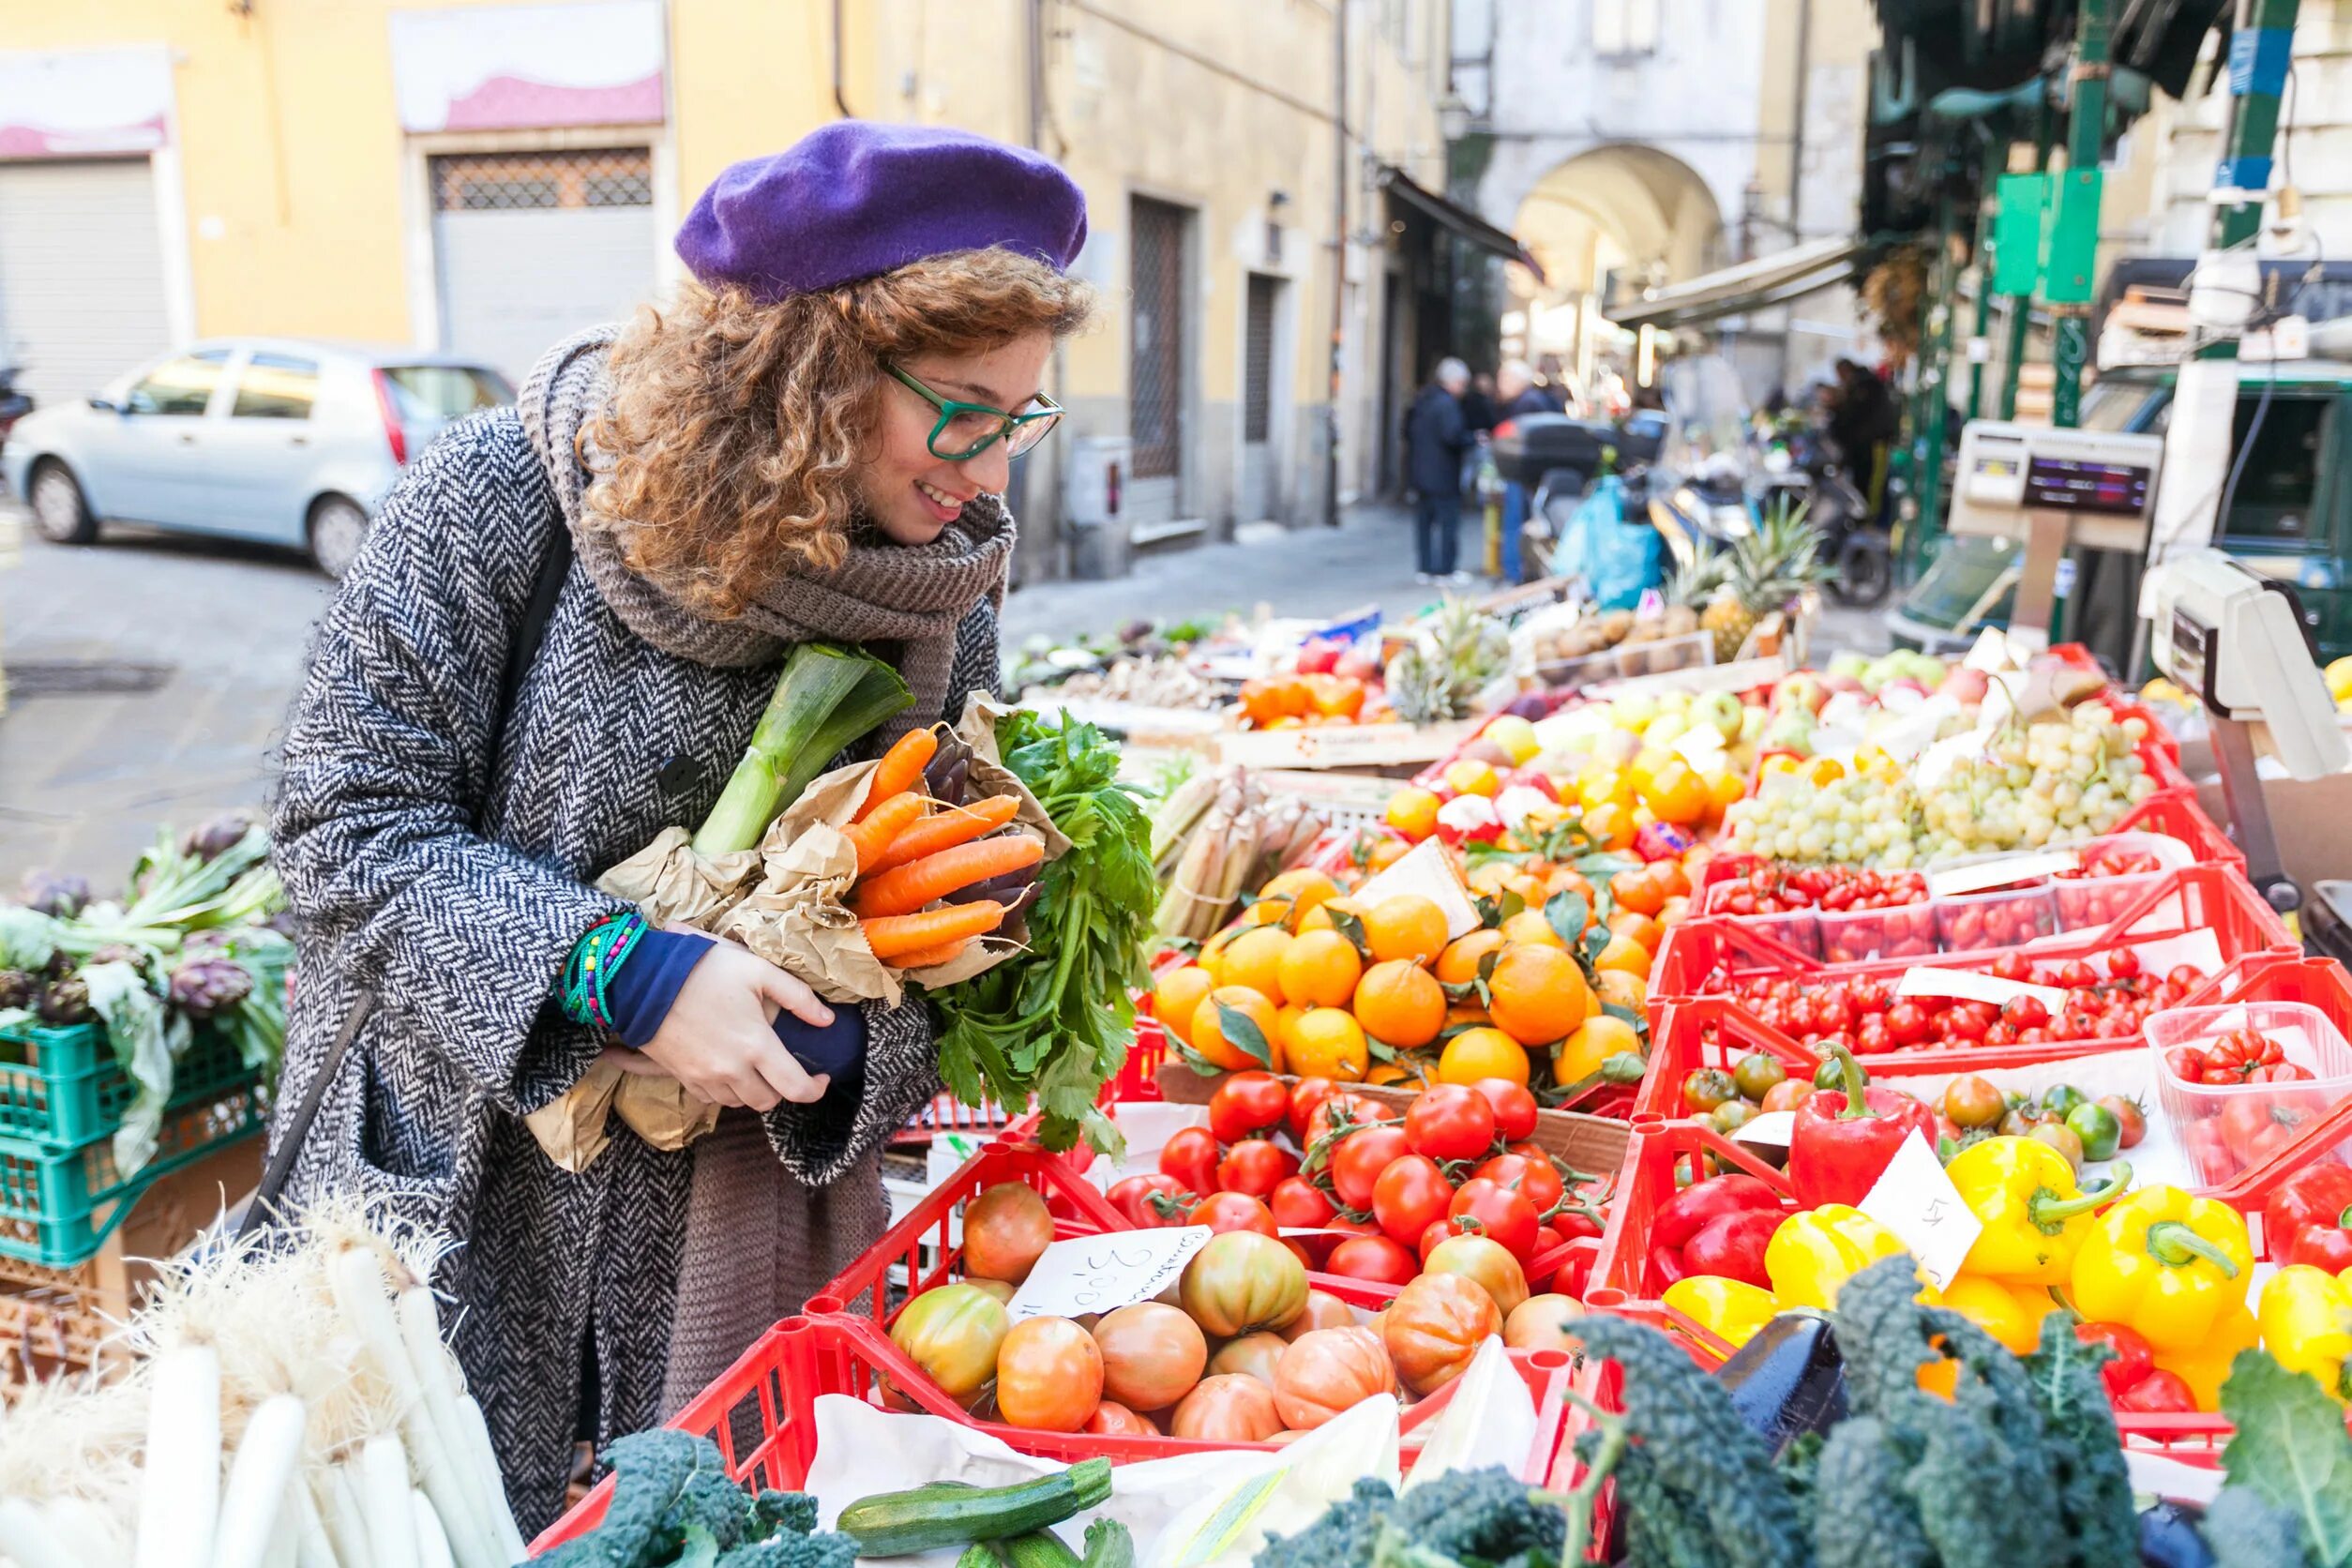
(639, 993)
(838, 1049)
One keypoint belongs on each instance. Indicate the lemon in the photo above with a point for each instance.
(2339, 679)
(1516, 735)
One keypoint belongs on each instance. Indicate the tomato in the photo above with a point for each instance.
(1307, 1096)
(1329, 1371)
(1231, 1210)
(1151, 1355)
(1241, 1281)
(1971, 1100)
(2133, 1119)
(1113, 1420)
(1505, 1215)
(1191, 1156)
(1907, 1023)
(1299, 1205)
(1434, 1326)
(1256, 1166)
(1450, 1121)
(953, 1334)
(1485, 1263)
(2254, 1128)
(2132, 1355)
(1546, 1323)
(1358, 1108)
(2239, 1053)
(2123, 963)
(1253, 1355)
(1515, 1106)
(2159, 1393)
(1358, 1159)
(1048, 1375)
(1246, 1103)
(1231, 1409)
(1005, 1230)
(1133, 1198)
(1323, 1311)
(1410, 1196)
(1373, 1258)
(2185, 1062)
(1536, 1180)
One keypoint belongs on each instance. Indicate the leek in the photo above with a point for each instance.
(827, 698)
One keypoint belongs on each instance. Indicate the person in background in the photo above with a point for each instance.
(1516, 394)
(1436, 439)
(1480, 411)
(1863, 420)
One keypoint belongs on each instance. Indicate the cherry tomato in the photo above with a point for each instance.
(1133, 1198)
(1450, 1121)
(1256, 1166)
(1309, 1093)
(1410, 1196)
(1298, 1204)
(1504, 1215)
(2133, 1355)
(1373, 1258)
(1247, 1103)
(1356, 1107)
(1907, 1023)
(1515, 1106)
(2123, 963)
(1537, 1180)
(1233, 1211)
(1191, 1157)
(2132, 1119)
(1973, 1102)
(1358, 1159)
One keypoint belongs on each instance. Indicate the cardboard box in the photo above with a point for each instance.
(2310, 819)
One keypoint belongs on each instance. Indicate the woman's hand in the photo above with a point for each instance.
(718, 1038)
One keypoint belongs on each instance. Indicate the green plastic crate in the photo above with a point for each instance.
(58, 1207)
(64, 1088)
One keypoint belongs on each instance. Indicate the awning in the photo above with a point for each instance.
(1772, 280)
(1461, 220)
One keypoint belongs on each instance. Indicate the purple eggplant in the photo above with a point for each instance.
(1005, 888)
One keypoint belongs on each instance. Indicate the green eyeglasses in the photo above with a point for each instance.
(967, 430)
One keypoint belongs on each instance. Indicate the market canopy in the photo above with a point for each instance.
(1774, 280)
(1458, 219)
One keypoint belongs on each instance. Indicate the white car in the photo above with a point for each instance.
(280, 440)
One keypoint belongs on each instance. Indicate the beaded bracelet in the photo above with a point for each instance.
(591, 966)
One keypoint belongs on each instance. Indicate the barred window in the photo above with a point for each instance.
(493, 182)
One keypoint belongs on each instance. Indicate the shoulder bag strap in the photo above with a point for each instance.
(520, 654)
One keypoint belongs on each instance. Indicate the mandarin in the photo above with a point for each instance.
(1178, 996)
(1482, 1053)
(1413, 813)
(1408, 927)
(1400, 1003)
(1208, 1028)
(1301, 891)
(1531, 928)
(1537, 994)
(1591, 1043)
(1254, 960)
(1319, 969)
(1459, 964)
(1327, 1042)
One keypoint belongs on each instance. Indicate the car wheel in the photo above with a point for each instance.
(338, 528)
(59, 513)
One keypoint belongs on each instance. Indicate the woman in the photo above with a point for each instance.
(809, 445)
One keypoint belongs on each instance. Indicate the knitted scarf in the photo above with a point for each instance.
(913, 596)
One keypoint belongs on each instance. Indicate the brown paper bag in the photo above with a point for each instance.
(786, 901)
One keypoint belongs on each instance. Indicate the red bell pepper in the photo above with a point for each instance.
(1842, 1141)
(1697, 1211)
(2308, 1218)
(2161, 1393)
(2134, 1357)
(1732, 1246)
(1687, 1212)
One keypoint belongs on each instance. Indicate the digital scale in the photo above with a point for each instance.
(2239, 642)
(2049, 488)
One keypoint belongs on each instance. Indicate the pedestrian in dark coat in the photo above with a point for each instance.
(807, 445)
(1436, 436)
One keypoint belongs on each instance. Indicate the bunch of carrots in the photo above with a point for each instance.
(933, 874)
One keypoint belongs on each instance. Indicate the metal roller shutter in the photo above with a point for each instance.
(82, 297)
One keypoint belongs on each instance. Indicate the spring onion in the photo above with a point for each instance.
(827, 698)
(179, 1497)
(255, 1498)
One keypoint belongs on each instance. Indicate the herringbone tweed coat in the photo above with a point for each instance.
(449, 874)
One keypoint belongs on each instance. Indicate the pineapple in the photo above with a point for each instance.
(1449, 661)
(1771, 567)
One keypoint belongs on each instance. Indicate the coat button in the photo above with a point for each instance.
(680, 779)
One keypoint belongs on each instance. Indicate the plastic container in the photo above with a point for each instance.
(762, 1413)
(2230, 1128)
(58, 1208)
(1692, 651)
(64, 1088)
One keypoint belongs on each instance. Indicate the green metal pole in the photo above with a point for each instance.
(1935, 368)
(1995, 163)
(2071, 266)
(2021, 305)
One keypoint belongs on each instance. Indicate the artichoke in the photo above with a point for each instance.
(17, 989)
(217, 836)
(123, 953)
(59, 896)
(65, 1002)
(61, 964)
(205, 987)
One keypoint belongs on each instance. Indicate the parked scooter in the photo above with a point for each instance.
(14, 405)
(1706, 514)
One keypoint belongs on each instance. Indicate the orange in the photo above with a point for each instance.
(1177, 997)
(1625, 990)
(1287, 1019)
(1320, 917)
(1529, 928)
(1301, 890)
(1677, 794)
(1327, 1042)
(1212, 953)
(1413, 813)
(1208, 1029)
(1626, 955)
(1565, 880)
(1459, 1013)
(1459, 964)
(1598, 787)
(1531, 889)
(1594, 1042)
(1488, 877)
(1399, 1003)
(1638, 927)
(1673, 913)
(1266, 911)
(1319, 969)
(1669, 875)
(1467, 775)
(1725, 788)
(1335, 695)
(1407, 927)
(1611, 826)
(1390, 1073)
(1385, 854)
(1539, 995)
(1254, 960)
(1480, 1053)
(1638, 891)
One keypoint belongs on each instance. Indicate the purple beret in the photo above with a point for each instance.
(854, 200)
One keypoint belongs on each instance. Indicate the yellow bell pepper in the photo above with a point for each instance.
(2034, 1216)
(2306, 1319)
(2206, 1368)
(2010, 1312)
(2166, 1264)
(1731, 1309)
(1814, 1254)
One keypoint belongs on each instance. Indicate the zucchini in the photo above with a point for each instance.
(929, 1517)
(978, 1555)
(1039, 1548)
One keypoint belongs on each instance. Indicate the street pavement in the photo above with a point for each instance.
(150, 674)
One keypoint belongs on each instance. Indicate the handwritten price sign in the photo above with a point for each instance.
(1101, 1274)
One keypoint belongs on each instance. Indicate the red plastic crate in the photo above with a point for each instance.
(762, 1413)
(1701, 955)
(2176, 812)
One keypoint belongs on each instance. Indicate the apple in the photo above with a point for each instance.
(1965, 686)
(1752, 722)
(1721, 710)
(1800, 690)
(1849, 665)
(1664, 730)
